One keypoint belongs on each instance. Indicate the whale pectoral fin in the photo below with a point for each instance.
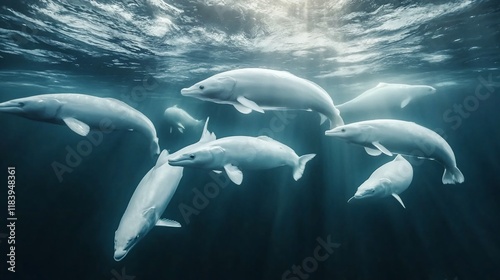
(234, 173)
(405, 102)
(217, 171)
(242, 109)
(180, 127)
(399, 199)
(350, 199)
(373, 152)
(167, 223)
(382, 148)
(170, 129)
(162, 158)
(249, 104)
(77, 126)
(323, 119)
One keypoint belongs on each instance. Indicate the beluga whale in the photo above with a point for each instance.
(234, 153)
(385, 95)
(401, 137)
(390, 179)
(81, 112)
(258, 89)
(180, 119)
(150, 199)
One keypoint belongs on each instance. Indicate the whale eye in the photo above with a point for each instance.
(21, 104)
(192, 156)
(343, 130)
(202, 87)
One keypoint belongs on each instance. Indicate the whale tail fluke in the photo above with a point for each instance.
(154, 147)
(453, 176)
(299, 168)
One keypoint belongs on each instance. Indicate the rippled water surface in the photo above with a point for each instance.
(144, 52)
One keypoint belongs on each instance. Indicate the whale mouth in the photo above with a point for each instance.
(11, 107)
(180, 160)
(335, 132)
(120, 254)
(189, 92)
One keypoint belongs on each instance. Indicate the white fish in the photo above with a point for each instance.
(385, 95)
(81, 112)
(150, 199)
(242, 152)
(181, 119)
(255, 89)
(390, 179)
(402, 137)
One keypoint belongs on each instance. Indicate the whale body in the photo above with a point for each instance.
(242, 152)
(179, 118)
(150, 199)
(385, 95)
(81, 112)
(407, 138)
(256, 89)
(390, 179)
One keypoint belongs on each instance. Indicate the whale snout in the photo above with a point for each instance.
(120, 254)
(12, 107)
(338, 131)
(189, 91)
(179, 160)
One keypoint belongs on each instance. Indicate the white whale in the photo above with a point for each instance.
(242, 152)
(402, 137)
(181, 119)
(150, 199)
(82, 112)
(255, 89)
(385, 95)
(390, 179)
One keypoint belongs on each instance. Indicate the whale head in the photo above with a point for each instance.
(353, 132)
(36, 107)
(131, 231)
(215, 88)
(372, 188)
(202, 158)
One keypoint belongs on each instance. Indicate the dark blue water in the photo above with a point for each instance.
(144, 52)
